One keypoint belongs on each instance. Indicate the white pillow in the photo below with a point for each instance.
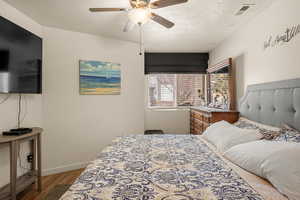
(278, 162)
(282, 169)
(250, 156)
(212, 132)
(224, 135)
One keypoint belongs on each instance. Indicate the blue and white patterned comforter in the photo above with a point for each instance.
(159, 167)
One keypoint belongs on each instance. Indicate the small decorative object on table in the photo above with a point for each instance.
(16, 132)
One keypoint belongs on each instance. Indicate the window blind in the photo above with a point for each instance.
(176, 90)
(176, 63)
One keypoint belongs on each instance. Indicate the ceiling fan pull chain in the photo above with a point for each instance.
(141, 39)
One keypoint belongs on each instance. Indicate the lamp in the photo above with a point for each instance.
(139, 15)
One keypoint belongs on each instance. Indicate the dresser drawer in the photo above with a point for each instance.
(200, 120)
(197, 131)
(197, 115)
(207, 118)
(198, 125)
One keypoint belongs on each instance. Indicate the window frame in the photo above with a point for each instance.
(176, 107)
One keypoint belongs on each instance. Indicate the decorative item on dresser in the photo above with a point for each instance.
(18, 185)
(203, 117)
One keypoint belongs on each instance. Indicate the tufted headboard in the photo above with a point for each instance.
(273, 103)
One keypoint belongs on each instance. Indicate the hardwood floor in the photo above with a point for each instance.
(48, 183)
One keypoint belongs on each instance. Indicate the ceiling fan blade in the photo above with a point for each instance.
(162, 21)
(165, 3)
(129, 26)
(107, 9)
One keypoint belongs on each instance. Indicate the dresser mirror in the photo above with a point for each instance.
(221, 86)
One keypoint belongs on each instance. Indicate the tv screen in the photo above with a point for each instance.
(20, 59)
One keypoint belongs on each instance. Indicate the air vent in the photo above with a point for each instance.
(244, 8)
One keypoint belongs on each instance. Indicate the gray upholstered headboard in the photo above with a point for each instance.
(273, 103)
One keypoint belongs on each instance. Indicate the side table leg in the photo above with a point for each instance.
(39, 162)
(13, 169)
(34, 156)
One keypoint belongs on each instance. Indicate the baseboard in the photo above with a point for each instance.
(65, 168)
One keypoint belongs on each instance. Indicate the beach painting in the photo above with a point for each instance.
(99, 78)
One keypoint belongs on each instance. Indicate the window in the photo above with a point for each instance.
(167, 93)
(176, 90)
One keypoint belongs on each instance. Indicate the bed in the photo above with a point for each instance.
(186, 167)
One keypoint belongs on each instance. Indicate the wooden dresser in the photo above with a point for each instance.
(203, 117)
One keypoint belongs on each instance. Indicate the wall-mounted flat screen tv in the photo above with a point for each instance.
(20, 59)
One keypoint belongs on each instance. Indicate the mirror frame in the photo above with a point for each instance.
(227, 63)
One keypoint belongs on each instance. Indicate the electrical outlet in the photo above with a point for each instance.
(30, 158)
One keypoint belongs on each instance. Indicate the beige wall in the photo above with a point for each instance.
(19, 18)
(254, 64)
(169, 120)
(79, 126)
(32, 104)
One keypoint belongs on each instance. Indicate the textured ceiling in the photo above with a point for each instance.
(199, 24)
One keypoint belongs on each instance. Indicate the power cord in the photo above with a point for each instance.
(25, 111)
(19, 110)
(19, 126)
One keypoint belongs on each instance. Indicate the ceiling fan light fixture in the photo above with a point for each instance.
(139, 15)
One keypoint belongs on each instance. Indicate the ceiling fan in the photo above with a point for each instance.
(141, 12)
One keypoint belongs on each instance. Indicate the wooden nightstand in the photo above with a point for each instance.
(203, 117)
